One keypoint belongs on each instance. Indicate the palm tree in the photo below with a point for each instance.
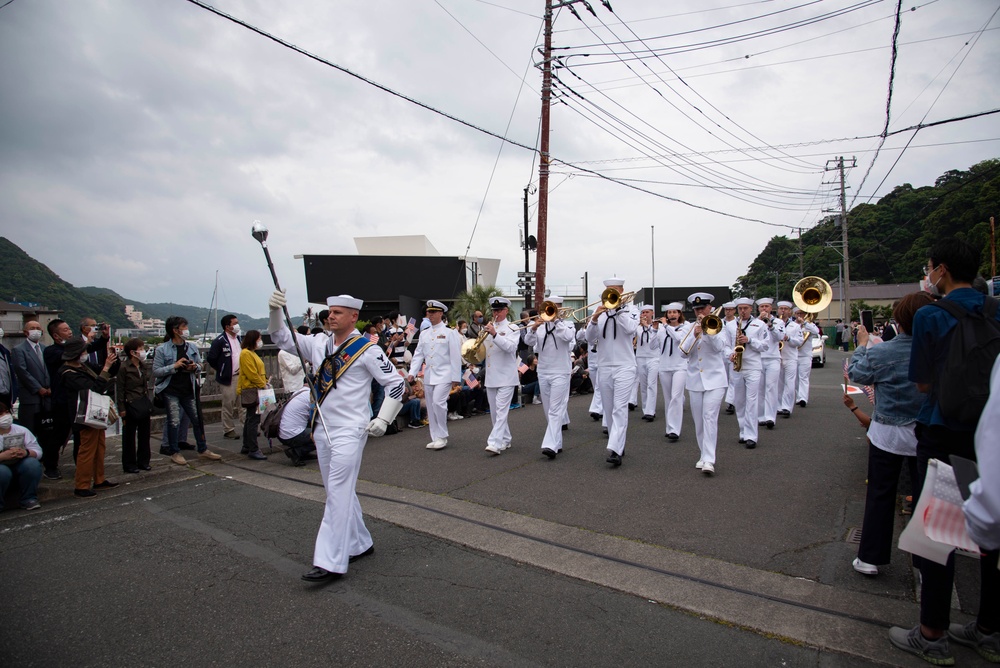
(476, 298)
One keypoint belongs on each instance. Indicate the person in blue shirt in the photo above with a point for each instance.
(950, 271)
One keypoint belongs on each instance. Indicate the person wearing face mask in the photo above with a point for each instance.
(53, 442)
(19, 455)
(134, 407)
(32, 376)
(98, 338)
(223, 358)
(8, 381)
(252, 379)
(78, 375)
(176, 365)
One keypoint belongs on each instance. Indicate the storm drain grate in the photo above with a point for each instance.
(854, 535)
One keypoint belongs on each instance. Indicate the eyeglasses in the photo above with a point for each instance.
(927, 270)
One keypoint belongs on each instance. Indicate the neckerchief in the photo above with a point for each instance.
(550, 332)
(671, 339)
(644, 339)
(333, 367)
(610, 318)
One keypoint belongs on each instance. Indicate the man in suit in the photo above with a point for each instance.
(60, 331)
(98, 339)
(8, 381)
(32, 376)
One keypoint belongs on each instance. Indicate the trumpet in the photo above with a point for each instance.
(711, 325)
(811, 294)
(548, 312)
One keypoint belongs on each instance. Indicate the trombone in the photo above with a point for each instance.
(811, 294)
(711, 325)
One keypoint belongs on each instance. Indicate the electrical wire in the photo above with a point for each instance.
(509, 9)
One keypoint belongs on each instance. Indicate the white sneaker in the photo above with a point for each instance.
(699, 465)
(505, 446)
(454, 416)
(863, 568)
(437, 444)
(494, 450)
(708, 468)
(537, 400)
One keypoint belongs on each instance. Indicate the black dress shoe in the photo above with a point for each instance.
(369, 551)
(672, 436)
(318, 574)
(85, 493)
(614, 459)
(742, 441)
(165, 450)
(596, 416)
(130, 469)
(565, 427)
(107, 484)
(184, 445)
(648, 418)
(605, 431)
(730, 409)
(631, 407)
(52, 474)
(548, 452)
(802, 404)
(770, 424)
(751, 444)
(146, 467)
(244, 451)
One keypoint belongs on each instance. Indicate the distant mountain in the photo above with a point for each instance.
(25, 279)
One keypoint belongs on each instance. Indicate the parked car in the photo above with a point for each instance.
(819, 350)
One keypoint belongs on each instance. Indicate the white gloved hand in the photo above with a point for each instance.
(277, 300)
(377, 427)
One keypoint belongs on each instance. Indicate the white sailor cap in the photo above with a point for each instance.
(729, 305)
(614, 281)
(434, 305)
(701, 299)
(556, 299)
(743, 301)
(674, 306)
(646, 307)
(786, 304)
(346, 301)
(765, 301)
(797, 310)
(497, 303)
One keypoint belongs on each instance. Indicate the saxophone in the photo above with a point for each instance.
(738, 350)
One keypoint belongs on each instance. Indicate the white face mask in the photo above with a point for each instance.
(6, 421)
(236, 330)
(185, 333)
(1, 333)
(83, 358)
(35, 335)
(260, 344)
(139, 354)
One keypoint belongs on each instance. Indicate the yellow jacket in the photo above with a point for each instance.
(251, 372)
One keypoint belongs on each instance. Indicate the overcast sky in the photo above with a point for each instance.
(140, 138)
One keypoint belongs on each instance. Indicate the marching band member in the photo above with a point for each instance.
(706, 380)
(673, 370)
(770, 358)
(729, 322)
(347, 363)
(647, 362)
(753, 339)
(805, 360)
(501, 372)
(440, 347)
(612, 330)
(789, 359)
(596, 405)
(553, 343)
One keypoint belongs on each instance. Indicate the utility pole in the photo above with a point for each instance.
(846, 286)
(527, 268)
(652, 259)
(802, 265)
(993, 250)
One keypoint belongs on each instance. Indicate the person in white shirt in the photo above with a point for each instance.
(729, 322)
(673, 368)
(982, 508)
(612, 330)
(553, 343)
(810, 332)
(770, 359)
(440, 348)
(19, 458)
(501, 372)
(342, 425)
(752, 334)
(647, 363)
(789, 359)
(706, 379)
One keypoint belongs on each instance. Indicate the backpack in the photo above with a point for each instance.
(964, 384)
(270, 419)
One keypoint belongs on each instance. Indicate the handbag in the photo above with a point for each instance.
(248, 395)
(140, 409)
(94, 410)
(45, 421)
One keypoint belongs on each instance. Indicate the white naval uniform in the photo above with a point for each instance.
(746, 397)
(770, 377)
(613, 334)
(501, 380)
(593, 362)
(805, 361)
(706, 385)
(440, 348)
(647, 368)
(553, 343)
(673, 373)
(730, 327)
(340, 441)
(790, 365)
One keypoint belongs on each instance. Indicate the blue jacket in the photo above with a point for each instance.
(163, 365)
(885, 366)
(220, 358)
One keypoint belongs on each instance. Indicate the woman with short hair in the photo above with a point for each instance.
(252, 379)
(134, 407)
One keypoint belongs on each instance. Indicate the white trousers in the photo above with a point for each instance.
(805, 366)
(789, 375)
(767, 406)
(342, 533)
(555, 398)
(596, 404)
(436, 397)
(616, 386)
(672, 383)
(745, 400)
(705, 411)
(645, 388)
(499, 398)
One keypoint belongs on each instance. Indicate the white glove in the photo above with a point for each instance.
(277, 300)
(390, 408)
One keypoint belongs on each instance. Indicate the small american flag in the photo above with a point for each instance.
(867, 389)
(470, 380)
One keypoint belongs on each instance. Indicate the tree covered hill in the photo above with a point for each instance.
(888, 240)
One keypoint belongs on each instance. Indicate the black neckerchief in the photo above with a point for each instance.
(671, 339)
(548, 333)
(614, 331)
(645, 336)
